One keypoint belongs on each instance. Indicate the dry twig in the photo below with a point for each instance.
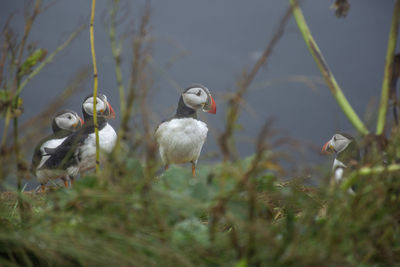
(225, 140)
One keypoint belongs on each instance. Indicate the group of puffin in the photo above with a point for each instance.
(71, 148)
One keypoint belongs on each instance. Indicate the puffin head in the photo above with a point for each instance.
(103, 107)
(197, 97)
(66, 120)
(338, 143)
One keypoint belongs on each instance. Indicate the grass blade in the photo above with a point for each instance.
(387, 76)
(325, 71)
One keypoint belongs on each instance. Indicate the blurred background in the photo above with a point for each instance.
(212, 42)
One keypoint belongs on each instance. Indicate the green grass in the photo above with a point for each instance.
(207, 221)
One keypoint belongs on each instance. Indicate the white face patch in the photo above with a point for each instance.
(88, 106)
(195, 98)
(339, 142)
(67, 121)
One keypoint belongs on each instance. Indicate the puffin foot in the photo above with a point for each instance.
(41, 189)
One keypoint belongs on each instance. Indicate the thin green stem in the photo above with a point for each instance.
(325, 71)
(116, 51)
(35, 72)
(18, 60)
(6, 125)
(387, 76)
(48, 59)
(95, 85)
(369, 171)
(17, 156)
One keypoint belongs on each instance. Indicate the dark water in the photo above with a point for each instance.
(217, 40)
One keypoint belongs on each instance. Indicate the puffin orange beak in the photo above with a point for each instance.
(112, 113)
(82, 122)
(213, 108)
(327, 149)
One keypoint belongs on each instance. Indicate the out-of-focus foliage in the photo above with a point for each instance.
(179, 220)
(37, 56)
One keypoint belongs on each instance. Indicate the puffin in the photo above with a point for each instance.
(181, 138)
(77, 153)
(347, 155)
(64, 123)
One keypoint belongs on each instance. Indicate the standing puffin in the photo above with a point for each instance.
(64, 123)
(77, 153)
(181, 138)
(347, 154)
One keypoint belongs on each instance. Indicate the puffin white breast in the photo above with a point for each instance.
(181, 139)
(107, 140)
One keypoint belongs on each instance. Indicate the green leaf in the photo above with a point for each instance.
(4, 95)
(241, 263)
(176, 178)
(37, 56)
(4, 101)
(134, 168)
(89, 181)
(190, 232)
(199, 191)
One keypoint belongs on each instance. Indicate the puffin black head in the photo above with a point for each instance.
(193, 98)
(198, 96)
(103, 107)
(66, 120)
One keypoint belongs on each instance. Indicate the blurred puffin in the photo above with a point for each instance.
(77, 153)
(64, 123)
(347, 154)
(181, 138)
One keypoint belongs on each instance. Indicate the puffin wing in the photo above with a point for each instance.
(37, 156)
(38, 153)
(65, 154)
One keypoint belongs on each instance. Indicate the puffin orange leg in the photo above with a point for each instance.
(193, 169)
(42, 188)
(65, 182)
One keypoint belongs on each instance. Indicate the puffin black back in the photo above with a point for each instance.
(351, 155)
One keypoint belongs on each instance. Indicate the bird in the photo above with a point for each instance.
(181, 138)
(77, 153)
(64, 123)
(347, 155)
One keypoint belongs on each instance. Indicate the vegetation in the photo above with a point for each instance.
(238, 212)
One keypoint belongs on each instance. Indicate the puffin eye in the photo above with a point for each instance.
(334, 138)
(69, 117)
(198, 93)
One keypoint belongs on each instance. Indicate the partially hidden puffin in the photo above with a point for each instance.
(77, 153)
(347, 155)
(64, 123)
(181, 138)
